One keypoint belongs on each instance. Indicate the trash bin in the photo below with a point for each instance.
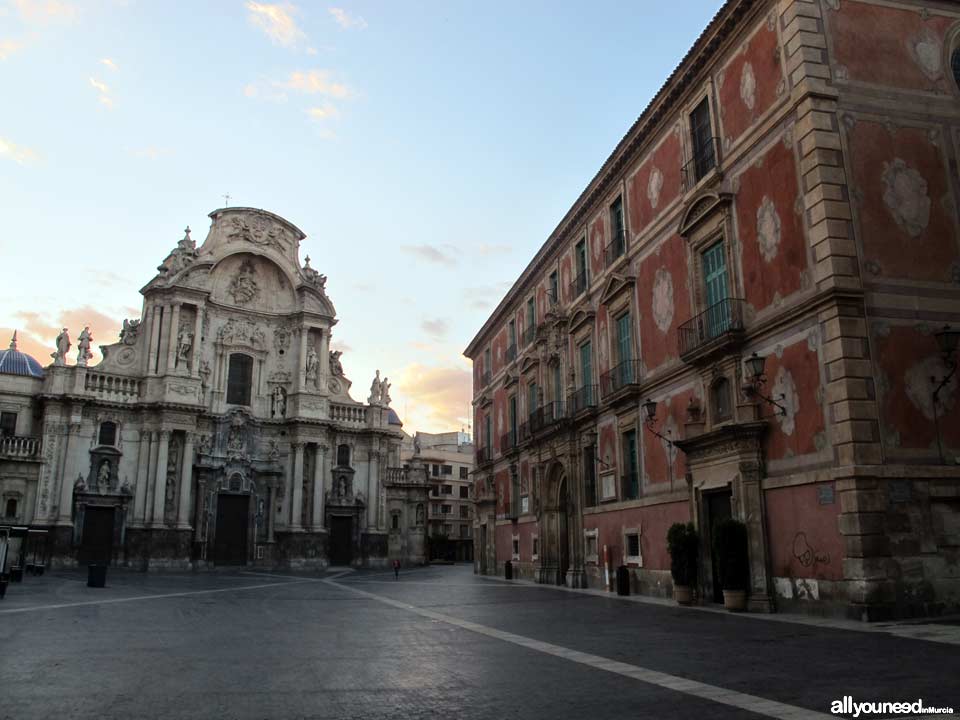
(96, 576)
(623, 580)
(508, 570)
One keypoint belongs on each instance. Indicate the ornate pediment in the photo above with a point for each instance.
(702, 207)
(615, 286)
(509, 379)
(242, 333)
(582, 316)
(529, 363)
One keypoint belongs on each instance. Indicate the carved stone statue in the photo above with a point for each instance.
(336, 368)
(79, 484)
(416, 444)
(313, 365)
(63, 347)
(273, 453)
(278, 402)
(385, 393)
(128, 334)
(313, 276)
(83, 347)
(374, 398)
(103, 476)
(184, 343)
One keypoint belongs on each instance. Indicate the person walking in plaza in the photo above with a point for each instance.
(396, 569)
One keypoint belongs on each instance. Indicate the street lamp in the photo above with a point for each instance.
(756, 367)
(650, 408)
(947, 340)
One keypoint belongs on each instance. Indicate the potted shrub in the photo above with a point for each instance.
(730, 547)
(683, 545)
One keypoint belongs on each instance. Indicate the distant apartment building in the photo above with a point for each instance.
(750, 311)
(448, 459)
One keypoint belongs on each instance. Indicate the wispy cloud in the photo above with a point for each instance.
(430, 253)
(103, 92)
(277, 22)
(107, 62)
(151, 153)
(40, 12)
(315, 82)
(438, 398)
(347, 21)
(485, 296)
(323, 112)
(436, 328)
(9, 46)
(19, 154)
(493, 248)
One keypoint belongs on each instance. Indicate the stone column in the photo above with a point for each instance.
(296, 493)
(197, 329)
(160, 478)
(324, 356)
(373, 484)
(143, 473)
(172, 338)
(65, 510)
(154, 340)
(752, 514)
(319, 487)
(302, 373)
(272, 511)
(186, 484)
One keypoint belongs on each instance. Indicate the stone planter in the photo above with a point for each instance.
(683, 594)
(735, 600)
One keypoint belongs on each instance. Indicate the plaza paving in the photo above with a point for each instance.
(439, 642)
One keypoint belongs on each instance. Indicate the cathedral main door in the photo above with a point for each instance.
(341, 540)
(96, 544)
(230, 540)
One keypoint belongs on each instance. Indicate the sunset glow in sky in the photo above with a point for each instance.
(427, 149)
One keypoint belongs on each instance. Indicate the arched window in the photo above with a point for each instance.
(720, 397)
(396, 521)
(239, 379)
(955, 65)
(108, 434)
(343, 455)
(11, 510)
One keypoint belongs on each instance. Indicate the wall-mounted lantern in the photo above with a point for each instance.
(757, 378)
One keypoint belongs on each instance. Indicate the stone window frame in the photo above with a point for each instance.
(716, 418)
(20, 501)
(706, 91)
(116, 433)
(8, 413)
(703, 232)
(626, 422)
(628, 559)
(594, 535)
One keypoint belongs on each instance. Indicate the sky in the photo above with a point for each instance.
(427, 150)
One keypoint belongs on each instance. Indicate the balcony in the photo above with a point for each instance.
(704, 159)
(583, 399)
(508, 442)
(485, 378)
(624, 376)
(529, 335)
(484, 455)
(579, 285)
(630, 486)
(349, 414)
(546, 416)
(16, 447)
(511, 352)
(115, 388)
(714, 330)
(615, 250)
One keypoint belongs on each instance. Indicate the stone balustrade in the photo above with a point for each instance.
(355, 414)
(112, 387)
(396, 475)
(15, 447)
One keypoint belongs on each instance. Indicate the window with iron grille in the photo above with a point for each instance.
(633, 545)
(701, 136)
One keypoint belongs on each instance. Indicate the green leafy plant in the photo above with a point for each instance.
(683, 544)
(730, 546)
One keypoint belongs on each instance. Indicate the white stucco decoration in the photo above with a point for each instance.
(928, 53)
(654, 186)
(663, 299)
(768, 229)
(905, 195)
(919, 389)
(784, 385)
(748, 86)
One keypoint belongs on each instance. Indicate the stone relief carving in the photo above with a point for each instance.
(654, 186)
(241, 332)
(63, 347)
(748, 86)
(768, 229)
(375, 385)
(244, 288)
(336, 367)
(257, 229)
(281, 337)
(103, 476)
(905, 195)
(83, 346)
(184, 345)
(128, 333)
(663, 299)
(313, 277)
(927, 52)
(333, 385)
(278, 402)
(180, 257)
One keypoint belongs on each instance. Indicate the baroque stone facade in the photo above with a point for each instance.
(791, 192)
(219, 429)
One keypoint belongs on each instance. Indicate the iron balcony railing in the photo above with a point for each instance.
(483, 455)
(616, 248)
(584, 398)
(546, 416)
(511, 352)
(713, 323)
(579, 285)
(508, 441)
(625, 374)
(704, 159)
(523, 432)
(630, 486)
(529, 335)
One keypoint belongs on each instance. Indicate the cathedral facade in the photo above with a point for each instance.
(219, 430)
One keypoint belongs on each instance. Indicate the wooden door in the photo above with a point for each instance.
(341, 540)
(230, 539)
(96, 544)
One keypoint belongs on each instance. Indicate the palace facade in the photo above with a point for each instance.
(219, 430)
(750, 311)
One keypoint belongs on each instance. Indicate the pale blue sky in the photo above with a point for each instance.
(446, 141)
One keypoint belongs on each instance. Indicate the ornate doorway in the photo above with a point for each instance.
(230, 533)
(96, 544)
(341, 540)
(554, 529)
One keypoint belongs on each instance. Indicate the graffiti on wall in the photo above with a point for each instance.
(806, 554)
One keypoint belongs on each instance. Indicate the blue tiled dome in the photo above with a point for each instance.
(14, 362)
(393, 418)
